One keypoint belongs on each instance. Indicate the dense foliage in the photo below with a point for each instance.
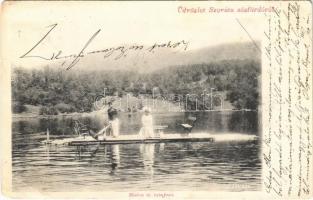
(75, 91)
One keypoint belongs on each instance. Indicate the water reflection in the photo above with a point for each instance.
(114, 152)
(147, 153)
(47, 152)
(241, 124)
(246, 122)
(163, 166)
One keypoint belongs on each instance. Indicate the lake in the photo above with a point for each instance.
(227, 165)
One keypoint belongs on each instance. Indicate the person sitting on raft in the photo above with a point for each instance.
(147, 124)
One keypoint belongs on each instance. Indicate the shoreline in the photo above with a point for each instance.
(20, 116)
(121, 104)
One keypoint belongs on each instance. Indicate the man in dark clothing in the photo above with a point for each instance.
(112, 112)
(113, 121)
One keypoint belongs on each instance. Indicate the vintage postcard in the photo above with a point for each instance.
(156, 100)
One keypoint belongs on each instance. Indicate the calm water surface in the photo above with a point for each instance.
(231, 165)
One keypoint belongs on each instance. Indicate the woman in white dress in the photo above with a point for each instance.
(147, 124)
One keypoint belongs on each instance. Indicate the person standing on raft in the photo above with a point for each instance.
(147, 124)
(113, 121)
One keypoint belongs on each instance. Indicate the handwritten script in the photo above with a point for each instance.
(117, 52)
(287, 101)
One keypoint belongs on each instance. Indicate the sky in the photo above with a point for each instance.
(25, 23)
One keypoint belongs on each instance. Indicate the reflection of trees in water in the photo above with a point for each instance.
(130, 124)
(26, 126)
(239, 121)
(26, 134)
(56, 126)
(64, 125)
(214, 120)
(243, 121)
(245, 153)
(209, 121)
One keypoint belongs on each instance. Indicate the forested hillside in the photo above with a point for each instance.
(58, 91)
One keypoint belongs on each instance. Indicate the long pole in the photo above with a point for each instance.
(212, 98)
(104, 89)
(203, 100)
(153, 106)
(186, 109)
(48, 129)
(48, 135)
